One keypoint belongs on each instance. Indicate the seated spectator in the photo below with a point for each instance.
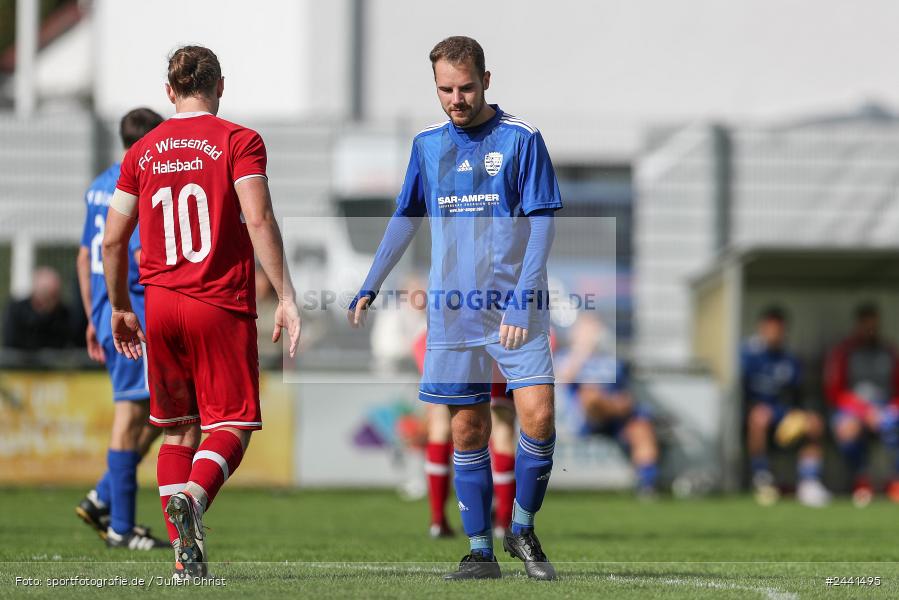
(862, 384)
(42, 320)
(771, 378)
(600, 401)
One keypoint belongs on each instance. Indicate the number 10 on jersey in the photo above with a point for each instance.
(191, 190)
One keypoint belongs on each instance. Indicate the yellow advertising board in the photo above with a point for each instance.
(54, 430)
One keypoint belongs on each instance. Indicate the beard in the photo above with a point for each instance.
(466, 115)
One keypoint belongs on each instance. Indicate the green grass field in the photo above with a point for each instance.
(366, 544)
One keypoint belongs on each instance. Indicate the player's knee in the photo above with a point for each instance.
(641, 431)
(503, 438)
(123, 438)
(471, 437)
(183, 435)
(760, 417)
(438, 425)
(539, 423)
(470, 428)
(591, 404)
(242, 434)
(848, 429)
(814, 425)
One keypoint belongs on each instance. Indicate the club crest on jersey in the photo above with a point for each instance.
(493, 162)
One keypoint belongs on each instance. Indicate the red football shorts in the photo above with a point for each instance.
(203, 363)
(498, 394)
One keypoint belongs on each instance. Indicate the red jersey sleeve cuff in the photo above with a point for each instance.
(243, 177)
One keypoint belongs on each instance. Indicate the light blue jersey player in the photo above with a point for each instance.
(485, 181)
(129, 381)
(110, 507)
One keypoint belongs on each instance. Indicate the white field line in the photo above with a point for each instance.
(769, 593)
(384, 567)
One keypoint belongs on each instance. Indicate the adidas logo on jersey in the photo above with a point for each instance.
(462, 507)
(465, 166)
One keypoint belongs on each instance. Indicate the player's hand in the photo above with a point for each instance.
(287, 316)
(357, 316)
(127, 334)
(94, 349)
(512, 337)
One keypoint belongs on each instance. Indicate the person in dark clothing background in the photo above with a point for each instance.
(42, 320)
(771, 381)
(862, 385)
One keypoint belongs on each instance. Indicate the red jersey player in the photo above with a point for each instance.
(199, 188)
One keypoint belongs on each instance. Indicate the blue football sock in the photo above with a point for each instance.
(855, 453)
(104, 494)
(474, 489)
(647, 475)
(123, 484)
(759, 464)
(533, 465)
(809, 468)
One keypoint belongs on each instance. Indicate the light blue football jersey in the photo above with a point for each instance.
(477, 187)
(97, 200)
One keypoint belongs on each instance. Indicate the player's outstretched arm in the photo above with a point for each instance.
(400, 231)
(256, 204)
(83, 267)
(120, 223)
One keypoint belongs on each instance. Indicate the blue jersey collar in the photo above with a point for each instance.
(469, 137)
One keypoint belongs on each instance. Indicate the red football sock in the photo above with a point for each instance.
(172, 473)
(503, 486)
(216, 459)
(437, 458)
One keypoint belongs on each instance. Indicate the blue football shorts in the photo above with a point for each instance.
(129, 377)
(461, 376)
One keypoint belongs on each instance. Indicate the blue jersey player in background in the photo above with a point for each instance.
(110, 507)
(771, 379)
(487, 185)
(599, 400)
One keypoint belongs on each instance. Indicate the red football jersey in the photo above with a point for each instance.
(193, 238)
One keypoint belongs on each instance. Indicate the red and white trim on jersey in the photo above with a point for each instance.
(239, 179)
(171, 489)
(173, 420)
(214, 457)
(235, 424)
(190, 114)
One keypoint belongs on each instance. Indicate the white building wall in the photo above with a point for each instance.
(281, 60)
(593, 75)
